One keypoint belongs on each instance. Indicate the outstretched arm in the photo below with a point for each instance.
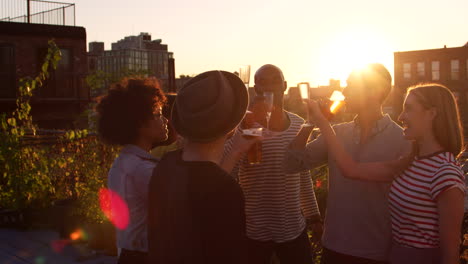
(376, 171)
(301, 156)
(237, 147)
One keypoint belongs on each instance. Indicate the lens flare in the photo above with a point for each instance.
(76, 235)
(114, 208)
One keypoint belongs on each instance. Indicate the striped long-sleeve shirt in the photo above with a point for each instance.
(276, 203)
(413, 199)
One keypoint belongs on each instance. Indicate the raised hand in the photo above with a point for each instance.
(315, 113)
(242, 143)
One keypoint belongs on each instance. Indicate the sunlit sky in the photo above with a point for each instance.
(310, 40)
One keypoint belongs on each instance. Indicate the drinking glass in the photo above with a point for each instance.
(269, 107)
(244, 75)
(254, 154)
(337, 98)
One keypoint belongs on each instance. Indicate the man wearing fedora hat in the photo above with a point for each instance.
(278, 205)
(196, 209)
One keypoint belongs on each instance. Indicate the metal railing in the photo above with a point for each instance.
(37, 12)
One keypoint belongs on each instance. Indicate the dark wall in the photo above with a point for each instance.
(65, 94)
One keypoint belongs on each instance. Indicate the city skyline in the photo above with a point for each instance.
(310, 41)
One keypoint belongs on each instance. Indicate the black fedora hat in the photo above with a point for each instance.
(209, 106)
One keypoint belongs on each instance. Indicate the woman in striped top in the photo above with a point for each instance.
(427, 193)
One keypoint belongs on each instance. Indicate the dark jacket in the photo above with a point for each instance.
(196, 213)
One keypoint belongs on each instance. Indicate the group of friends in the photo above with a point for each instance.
(395, 191)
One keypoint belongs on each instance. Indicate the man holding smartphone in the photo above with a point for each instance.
(357, 222)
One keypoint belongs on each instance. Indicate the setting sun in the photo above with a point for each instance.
(351, 49)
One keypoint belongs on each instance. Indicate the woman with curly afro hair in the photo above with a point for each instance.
(130, 115)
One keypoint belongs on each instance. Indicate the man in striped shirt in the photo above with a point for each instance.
(277, 204)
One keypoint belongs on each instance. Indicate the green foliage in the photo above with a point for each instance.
(84, 161)
(23, 172)
(34, 174)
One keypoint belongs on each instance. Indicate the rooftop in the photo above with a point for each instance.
(38, 12)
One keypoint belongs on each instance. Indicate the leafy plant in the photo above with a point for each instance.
(36, 174)
(24, 173)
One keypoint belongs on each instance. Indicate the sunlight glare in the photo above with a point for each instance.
(353, 49)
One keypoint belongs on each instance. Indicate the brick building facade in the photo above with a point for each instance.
(447, 66)
(65, 95)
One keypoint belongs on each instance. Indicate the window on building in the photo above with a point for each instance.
(64, 78)
(454, 69)
(66, 61)
(435, 65)
(61, 82)
(406, 71)
(7, 71)
(421, 69)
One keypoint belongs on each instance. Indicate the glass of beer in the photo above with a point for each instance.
(337, 102)
(254, 154)
(337, 98)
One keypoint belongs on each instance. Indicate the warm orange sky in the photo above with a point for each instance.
(310, 40)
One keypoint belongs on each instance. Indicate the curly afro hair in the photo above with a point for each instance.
(127, 106)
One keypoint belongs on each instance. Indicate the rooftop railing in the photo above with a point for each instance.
(37, 12)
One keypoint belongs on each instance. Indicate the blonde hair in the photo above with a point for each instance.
(446, 125)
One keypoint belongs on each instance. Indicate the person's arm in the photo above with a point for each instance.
(448, 189)
(235, 168)
(300, 141)
(375, 171)
(237, 146)
(307, 196)
(450, 206)
(301, 155)
(230, 161)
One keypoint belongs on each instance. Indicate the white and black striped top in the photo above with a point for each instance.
(275, 202)
(413, 199)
